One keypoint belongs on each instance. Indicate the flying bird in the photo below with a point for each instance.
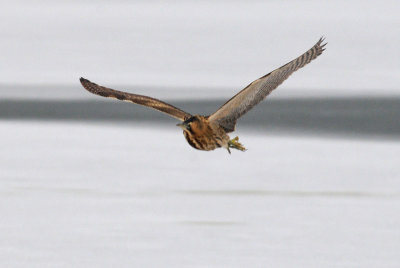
(210, 132)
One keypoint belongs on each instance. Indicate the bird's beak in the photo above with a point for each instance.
(181, 125)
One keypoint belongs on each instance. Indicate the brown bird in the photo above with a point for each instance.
(210, 132)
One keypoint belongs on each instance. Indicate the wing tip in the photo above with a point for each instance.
(88, 85)
(320, 43)
(84, 81)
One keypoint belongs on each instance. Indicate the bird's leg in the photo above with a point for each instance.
(234, 143)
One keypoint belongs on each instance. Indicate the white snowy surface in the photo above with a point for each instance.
(92, 195)
(202, 44)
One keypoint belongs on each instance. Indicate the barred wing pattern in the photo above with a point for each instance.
(227, 115)
(134, 98)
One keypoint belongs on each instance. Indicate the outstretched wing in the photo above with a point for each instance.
(134, 98)
(251, 95)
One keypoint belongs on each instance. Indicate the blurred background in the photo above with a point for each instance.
(92, 182)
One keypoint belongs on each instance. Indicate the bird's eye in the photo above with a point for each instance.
(188, 127)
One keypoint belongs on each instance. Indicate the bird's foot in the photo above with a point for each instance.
(234, 143)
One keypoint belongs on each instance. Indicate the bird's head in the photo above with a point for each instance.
(188, 124)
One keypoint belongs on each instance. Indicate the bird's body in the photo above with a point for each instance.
(211, 132)
(204, 135)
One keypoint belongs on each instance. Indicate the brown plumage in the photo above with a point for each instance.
(210, 132)
(134, 98)
(203, 134)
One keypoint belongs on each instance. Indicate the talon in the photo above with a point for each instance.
(234, 143)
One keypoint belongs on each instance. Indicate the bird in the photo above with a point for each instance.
(208, 132)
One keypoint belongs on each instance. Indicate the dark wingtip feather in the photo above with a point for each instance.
(84, 81)
(321, 44)
(89, 86)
